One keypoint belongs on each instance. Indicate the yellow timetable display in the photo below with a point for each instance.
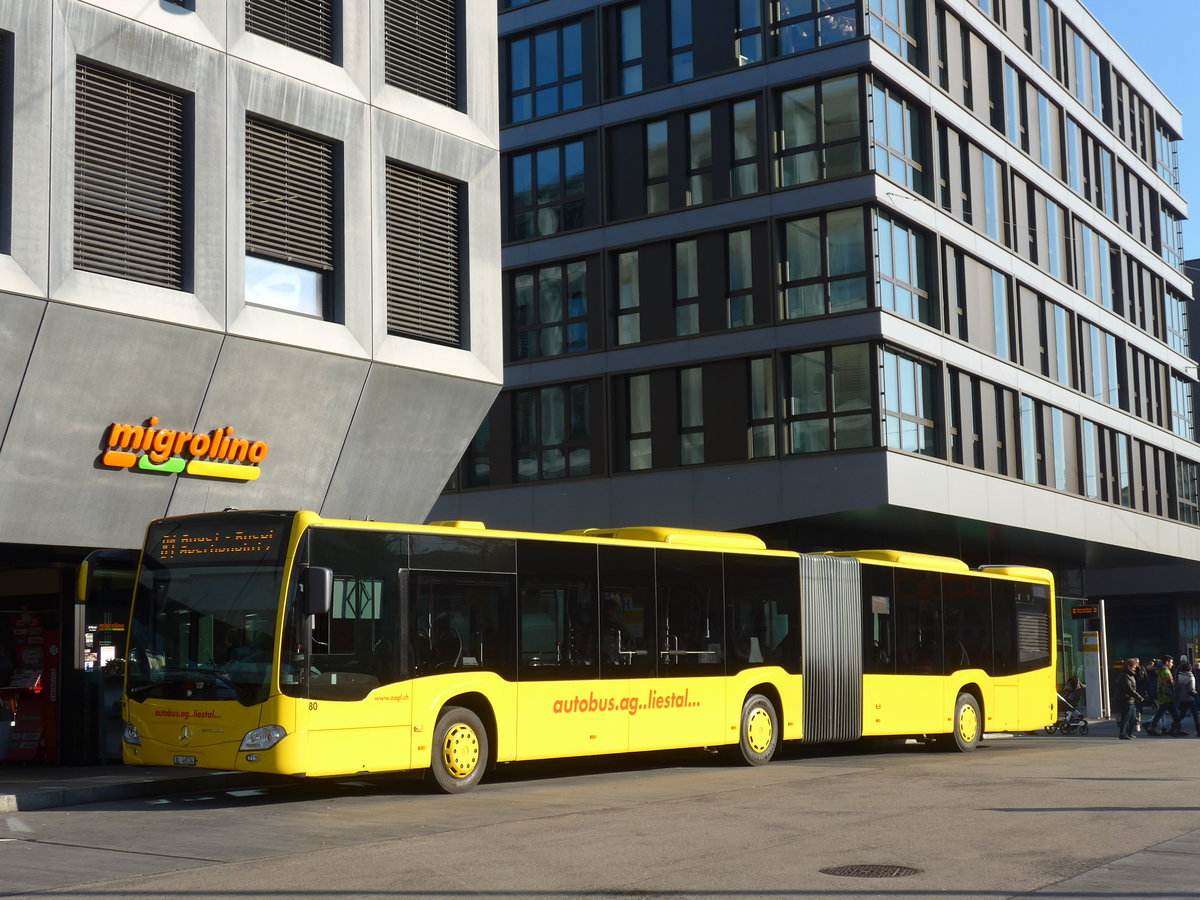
(200, 544)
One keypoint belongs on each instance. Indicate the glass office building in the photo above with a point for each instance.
(848, 273)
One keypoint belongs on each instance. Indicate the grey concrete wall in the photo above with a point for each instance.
(359, 424)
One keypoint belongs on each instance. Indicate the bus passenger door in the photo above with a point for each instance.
(358, 707)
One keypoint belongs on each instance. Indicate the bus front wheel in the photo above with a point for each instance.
(460, 750)
(759, 730)
(968, 723)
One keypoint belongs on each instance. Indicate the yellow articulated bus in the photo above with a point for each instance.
(287, 643)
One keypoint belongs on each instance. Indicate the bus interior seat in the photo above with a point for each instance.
(447, 650)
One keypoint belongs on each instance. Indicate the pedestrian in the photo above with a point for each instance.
(1128, 699)
(1146, 686)
(1166, 699)
(1185, 696)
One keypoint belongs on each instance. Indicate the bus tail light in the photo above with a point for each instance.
(263, 738)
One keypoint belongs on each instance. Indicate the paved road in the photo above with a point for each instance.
(1020, 814)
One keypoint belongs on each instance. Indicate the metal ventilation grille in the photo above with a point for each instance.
(289, 195)
(423, 290)
(420, 48)
(831, 610)
(305, 25)
(129, 191)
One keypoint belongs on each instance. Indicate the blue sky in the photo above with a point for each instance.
(1161, 37)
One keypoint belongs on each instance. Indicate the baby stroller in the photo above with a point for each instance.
(1070, 719)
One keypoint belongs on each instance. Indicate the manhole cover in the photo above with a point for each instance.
(870, 871)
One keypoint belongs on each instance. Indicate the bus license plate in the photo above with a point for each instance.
(185, 760)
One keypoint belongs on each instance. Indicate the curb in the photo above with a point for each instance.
(51, 797)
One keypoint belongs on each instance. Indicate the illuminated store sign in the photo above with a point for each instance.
(217, 454)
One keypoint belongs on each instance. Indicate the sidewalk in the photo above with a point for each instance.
(45, 787)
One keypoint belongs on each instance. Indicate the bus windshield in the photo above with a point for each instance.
(203, 620)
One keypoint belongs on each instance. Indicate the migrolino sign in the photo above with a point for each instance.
(217, 454)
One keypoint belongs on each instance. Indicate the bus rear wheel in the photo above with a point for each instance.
(968, 723)
(460, 750)
(759, 732)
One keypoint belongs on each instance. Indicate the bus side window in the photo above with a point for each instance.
(879, 621)
(967, 602)
(460, 620)
(691, 613)
(1004, 627)
(627, 639)
(918, 606)
(763, 598)
(558, 610)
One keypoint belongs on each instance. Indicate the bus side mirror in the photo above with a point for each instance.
(316, 591)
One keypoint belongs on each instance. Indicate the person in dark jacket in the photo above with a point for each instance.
(1128, 699)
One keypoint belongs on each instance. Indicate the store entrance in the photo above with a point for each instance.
(103, 596)
(31, 661)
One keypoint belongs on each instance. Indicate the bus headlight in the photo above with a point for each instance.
(131, 736)
(263, 738)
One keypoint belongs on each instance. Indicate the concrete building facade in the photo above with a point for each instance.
(248, 258)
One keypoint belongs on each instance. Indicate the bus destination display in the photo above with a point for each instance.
(212, 544)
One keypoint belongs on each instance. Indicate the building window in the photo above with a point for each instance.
(1049, 125)
(760, 434)
(691, 415)
(901, 270)
(1058, 344)
(1166, 156)
(739, 302)
(909, 404)
(896, 135)
(131, 203)
(658, 168)
(424, 295)
(829, 399)
(552, 427)
(820, 131)
(1031, 459)
(1187, 491)
(1176, 315)
(290, 244)
(1014, 109)
(1074, 141)
(1170, 236)
(801, 25)
(1093, 266)
(687, 289)
(1044, 44)
(638, 405)
(743, 176)
(479, 455)
(547, 190)
(421, 48)
(748, 35)
(550, 310)
(545, 72)
(629, 67)
(894, 24)
(1099, 365)
(1181, 407)
(700, 157)
(305, 25)
(629, 315)
(824, 266)
(1054, 257)
(681, 40)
